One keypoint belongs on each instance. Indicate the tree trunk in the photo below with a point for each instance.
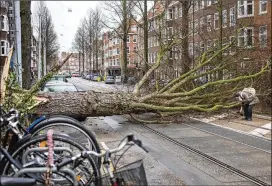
(125, 30)
(186, 60)
(79, 62)
(220, 56)
(86, 104)
(145, 37)
(25, 14)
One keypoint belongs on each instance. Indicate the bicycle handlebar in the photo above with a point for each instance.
(129, 139)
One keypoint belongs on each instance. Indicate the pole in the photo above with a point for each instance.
(40, 42)
(44, 57)
(18, 41)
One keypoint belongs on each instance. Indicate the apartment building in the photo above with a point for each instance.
(4, 32)
(156, 28)
(112, 52)
(72, 65)
(247, 21)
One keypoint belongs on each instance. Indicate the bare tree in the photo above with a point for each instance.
(119, 19)
(43, 17)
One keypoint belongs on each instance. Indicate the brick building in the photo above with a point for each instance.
(112, 52)
(72, 65)
(4, 32)
(207, 31)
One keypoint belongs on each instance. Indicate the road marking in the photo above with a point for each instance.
(260, 131)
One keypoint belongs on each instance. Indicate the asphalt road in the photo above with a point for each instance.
(169, 164)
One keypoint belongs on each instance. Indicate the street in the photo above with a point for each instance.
(181, 153)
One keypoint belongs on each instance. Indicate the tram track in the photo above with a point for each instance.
(208, 157)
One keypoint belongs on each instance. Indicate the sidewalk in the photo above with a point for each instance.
(260, 126)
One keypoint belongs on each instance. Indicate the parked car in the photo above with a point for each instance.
(88, 77)
(75, 74)
(118, 79)
(59, 87)
(95, 78)
(61, 78)
(110, 80)
(67, 75)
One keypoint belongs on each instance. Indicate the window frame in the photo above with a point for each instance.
(260, 7)
(216, 15)
(209, 2)
(224, 18)
(202, 4)
(232, 13)
(245, 7)
(209, 20)
(245, 40)
(261, 35)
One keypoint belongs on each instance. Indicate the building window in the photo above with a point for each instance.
(135, 49)
(180, 11)
(232, 47)
(263, 6)
(245, 37)
(202, 22)
(4, 23)
(209, 2)
(209, 44)
(4, 48)
(202, 47)
(196, 5)
(224, 44)
(191, 49)
(263, 36)
(170, 13)
(225, 18)
(202, 4)
(128, 49)
(196, 27)
(197, 51)
(209, 22)
(134, 38)
(118, 51)
(232, 16)
(170, 32)
(216, 21)
(175, 10)
(128, 39)
(134, 28)
(245, 8)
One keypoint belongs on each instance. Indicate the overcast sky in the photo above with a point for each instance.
(66, 23)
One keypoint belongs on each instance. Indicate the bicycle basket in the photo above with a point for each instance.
(130, 175)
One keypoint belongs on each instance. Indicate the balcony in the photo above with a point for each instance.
(10, 15)
(10, 8)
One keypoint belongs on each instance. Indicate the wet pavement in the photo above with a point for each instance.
(169, 164)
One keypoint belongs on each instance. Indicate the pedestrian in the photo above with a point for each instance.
(248, 98)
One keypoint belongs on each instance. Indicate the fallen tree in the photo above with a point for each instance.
(184, 93)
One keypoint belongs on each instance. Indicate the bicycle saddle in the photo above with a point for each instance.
(12, 181)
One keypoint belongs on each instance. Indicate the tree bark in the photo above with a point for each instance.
(125, 30)
(25, 14)
(87, 104)
(145, 38)
(186, 60)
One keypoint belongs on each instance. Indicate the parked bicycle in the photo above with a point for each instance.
(16, 134)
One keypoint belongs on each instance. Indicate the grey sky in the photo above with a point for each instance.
(66, 23)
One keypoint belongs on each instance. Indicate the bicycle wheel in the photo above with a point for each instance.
(86, 170)
(70, 128)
